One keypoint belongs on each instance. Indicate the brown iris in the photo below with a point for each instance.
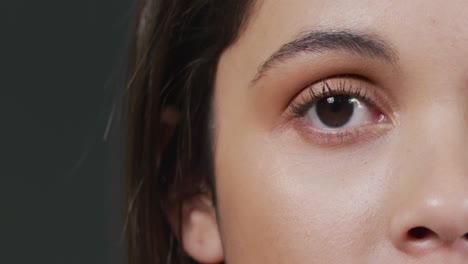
(335, 111)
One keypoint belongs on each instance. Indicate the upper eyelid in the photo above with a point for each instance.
(345, 86)
(344, 81)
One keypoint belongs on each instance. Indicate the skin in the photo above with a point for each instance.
(286, 195)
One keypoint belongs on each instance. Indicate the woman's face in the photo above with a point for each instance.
(340, 130)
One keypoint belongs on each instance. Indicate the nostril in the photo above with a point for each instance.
(420, 232)
(465, 236)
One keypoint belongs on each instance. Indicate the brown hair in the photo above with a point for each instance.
(174, 50)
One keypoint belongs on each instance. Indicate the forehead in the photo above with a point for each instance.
(438, 28)
(273, 17)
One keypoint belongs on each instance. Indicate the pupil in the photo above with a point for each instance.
(335, 111)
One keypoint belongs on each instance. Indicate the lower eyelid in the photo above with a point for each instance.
(347, 136)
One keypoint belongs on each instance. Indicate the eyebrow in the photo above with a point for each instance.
(367, 45)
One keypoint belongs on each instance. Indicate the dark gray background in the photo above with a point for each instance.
(60, 183)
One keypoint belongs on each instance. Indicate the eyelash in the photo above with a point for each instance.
(354, 86)
(344, 87)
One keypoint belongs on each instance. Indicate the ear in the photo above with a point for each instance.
(200, 236)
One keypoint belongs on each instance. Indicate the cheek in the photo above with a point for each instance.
(283, 201)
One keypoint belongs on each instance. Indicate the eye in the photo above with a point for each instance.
(341, 111)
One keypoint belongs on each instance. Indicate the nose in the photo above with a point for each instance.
(431, 224)
(430, 213)
(433, 212)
